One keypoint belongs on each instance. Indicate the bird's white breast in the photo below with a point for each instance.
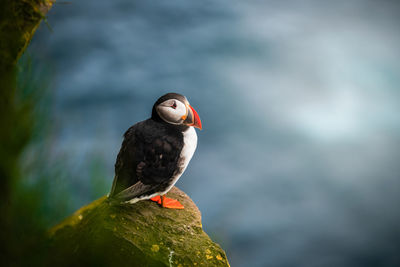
(189, 146)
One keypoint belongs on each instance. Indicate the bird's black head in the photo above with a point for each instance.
(175, 109)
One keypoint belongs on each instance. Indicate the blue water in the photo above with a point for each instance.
(298, 162)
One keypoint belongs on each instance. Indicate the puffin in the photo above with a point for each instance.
(155, 153)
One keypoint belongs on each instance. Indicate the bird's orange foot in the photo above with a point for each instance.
(171, 203)
(167, 202)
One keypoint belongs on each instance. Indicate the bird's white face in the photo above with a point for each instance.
(172, 111)
(177, 112)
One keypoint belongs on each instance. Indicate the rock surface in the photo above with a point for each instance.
(140, 234)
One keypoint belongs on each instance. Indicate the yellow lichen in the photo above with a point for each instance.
(218, 257)
(208, 251)
(209, 257)
(155, 248)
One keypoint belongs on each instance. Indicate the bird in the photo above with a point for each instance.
(155, 153)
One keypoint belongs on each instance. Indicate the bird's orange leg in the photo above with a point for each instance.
(156, 199)
(167, 202)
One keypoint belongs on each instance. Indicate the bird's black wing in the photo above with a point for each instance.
(147, 160)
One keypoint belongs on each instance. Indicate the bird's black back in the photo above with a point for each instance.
(149, 154)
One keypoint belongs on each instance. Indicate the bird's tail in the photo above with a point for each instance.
(112, 192)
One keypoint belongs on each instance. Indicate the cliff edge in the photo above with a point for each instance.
(140, 234)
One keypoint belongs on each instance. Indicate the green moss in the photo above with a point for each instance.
(142, 234)
(20, 19)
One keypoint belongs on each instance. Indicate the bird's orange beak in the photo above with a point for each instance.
(192, 118)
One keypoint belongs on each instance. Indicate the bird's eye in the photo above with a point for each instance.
(173, 105)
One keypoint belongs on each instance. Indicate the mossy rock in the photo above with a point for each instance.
(140, 234)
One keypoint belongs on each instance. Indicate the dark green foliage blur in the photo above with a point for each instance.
(37, 196)
(24, 212)
(41, 176)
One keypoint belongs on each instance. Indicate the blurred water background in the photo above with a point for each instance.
(298, 162)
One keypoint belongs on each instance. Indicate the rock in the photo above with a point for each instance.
(140, 234)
